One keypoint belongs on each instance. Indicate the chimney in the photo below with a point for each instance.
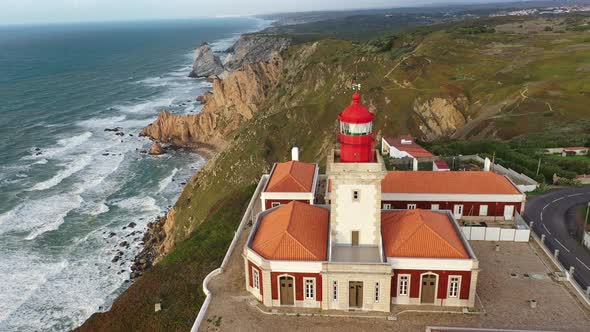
(486, 165)
(414, 164)
(295, 153)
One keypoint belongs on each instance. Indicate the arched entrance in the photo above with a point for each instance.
(428, 290)
(287, 290)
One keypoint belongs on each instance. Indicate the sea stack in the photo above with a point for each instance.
(206, 63)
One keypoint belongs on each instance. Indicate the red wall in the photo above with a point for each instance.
(268, 202)
(250, 267)
(443, 282)
(469, 208)
(298, 284)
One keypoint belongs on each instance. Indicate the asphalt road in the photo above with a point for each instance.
(554, 215)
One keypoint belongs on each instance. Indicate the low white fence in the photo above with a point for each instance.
(480, 233)
(523, 182)
(583, 294)
(232, 246)
(520, 233)
(587, 239)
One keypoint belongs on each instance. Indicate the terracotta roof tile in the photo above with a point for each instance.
(292, 176)
(469, 182)
(412, 148)
(294, 231)
(420, 233)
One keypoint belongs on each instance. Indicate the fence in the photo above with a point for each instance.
(520, 233)
(587, 239)
(523, 182)
(218, 271)
(583, 294)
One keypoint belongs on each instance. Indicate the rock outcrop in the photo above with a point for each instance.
(206, 63)
(156, 149)
(234, 100)
(440, 116)
(253, 48)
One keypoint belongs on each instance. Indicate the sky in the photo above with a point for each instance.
(52, 11)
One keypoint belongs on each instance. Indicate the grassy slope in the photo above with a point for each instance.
(302, 111)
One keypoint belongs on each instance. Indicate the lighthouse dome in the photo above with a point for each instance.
(356, 113)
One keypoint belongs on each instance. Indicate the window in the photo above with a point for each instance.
(309, 289)
(387, 206)
(454, 285)
(377, 290)
(255, 278)
(356, 195)
(435, 207)
(411, 206)
(335, 291)
(404, 281)
(275, 204)
(483, 210)
(354, 238)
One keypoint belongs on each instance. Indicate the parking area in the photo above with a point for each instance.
(509, 279)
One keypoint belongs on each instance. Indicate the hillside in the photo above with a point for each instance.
(499, 78)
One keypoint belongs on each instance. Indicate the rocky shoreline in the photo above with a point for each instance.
(251, 66)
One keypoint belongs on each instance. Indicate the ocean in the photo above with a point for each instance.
(66, 184)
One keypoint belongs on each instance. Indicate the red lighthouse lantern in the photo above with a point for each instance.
(357, 142)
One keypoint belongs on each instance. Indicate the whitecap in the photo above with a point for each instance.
(102, 122)
(70, 169)
(165, 182)
(139, 204)
(63, 145)
(147, 107)
(39, 216)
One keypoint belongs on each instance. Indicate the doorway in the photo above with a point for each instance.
(287, 290)
(428, 288)
(458, 211)
(355, 294)
(355, 238)
(508, 212)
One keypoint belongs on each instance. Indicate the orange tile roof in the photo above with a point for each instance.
(412, 148)
(468, 182)
(291, 176)
(420, 233)
(294, 231)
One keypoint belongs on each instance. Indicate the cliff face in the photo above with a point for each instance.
(440, 116)
(254, 48)
(233, 100)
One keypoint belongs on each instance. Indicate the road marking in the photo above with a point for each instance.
(586, 266)
(546, 229)
(561, 244)
(572, 195)
(556, 200)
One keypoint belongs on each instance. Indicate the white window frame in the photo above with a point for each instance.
(275, 204)
(386, 206)
(458, 210)
(399, 285)
(457, 289)
(356, 193)
(255, 278)
(306, 289)
(411, 206)
(483, 210)
(335, 291)
(377, 292)
(435, 207)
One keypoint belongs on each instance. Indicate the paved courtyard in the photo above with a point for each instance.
(509, 278)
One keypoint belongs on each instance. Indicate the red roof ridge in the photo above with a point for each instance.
(299, 242)
(445, 241)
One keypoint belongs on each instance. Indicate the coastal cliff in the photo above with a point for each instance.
(206, 62)
(234, 100)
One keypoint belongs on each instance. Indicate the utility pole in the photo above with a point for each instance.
(539, 167)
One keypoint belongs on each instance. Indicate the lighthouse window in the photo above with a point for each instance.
(356, 195)
(354, 129)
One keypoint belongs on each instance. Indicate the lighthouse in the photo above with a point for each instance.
(357, 142)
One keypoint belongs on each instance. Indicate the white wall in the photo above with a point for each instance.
(356, 215)
(587, 239)
(478, 233)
